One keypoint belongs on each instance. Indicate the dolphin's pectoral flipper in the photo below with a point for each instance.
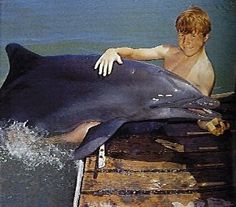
(96, 136)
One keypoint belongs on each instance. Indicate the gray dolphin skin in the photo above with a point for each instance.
(59, 93)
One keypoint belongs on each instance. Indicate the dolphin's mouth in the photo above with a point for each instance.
(203, 112)
(201, 107)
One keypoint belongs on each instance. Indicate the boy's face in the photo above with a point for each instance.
(191, 43)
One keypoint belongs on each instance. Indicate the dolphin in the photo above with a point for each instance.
(61, 93)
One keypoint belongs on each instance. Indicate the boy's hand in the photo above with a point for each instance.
(105, 62)
(216, 126)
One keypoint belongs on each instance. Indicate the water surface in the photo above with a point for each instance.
(88, 26)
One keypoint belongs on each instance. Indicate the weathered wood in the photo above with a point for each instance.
(113, 164)
(144, 148)
(159, 175)
(121, 165)
(154, 182)
(133, 181)
(189, 144)
(162, 200)
(136, 201)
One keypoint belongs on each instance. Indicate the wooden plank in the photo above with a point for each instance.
(200, 143)
(120, 165)
(123, 164)
(152, 181)
(135, 143)
(136, 200)
(90, 200)
(129, 181)
(135, 148)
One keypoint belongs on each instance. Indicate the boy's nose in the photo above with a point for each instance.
(186, 39)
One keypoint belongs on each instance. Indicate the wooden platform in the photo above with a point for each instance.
(157, 169)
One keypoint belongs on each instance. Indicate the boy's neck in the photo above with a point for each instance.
(199, 54)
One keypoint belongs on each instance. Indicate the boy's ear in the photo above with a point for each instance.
(206, 37)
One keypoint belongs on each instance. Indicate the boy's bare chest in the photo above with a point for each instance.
(180, 66)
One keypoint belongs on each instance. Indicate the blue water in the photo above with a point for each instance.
(90, 26)
(86, 27)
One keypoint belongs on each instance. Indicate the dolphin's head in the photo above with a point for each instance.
(177, 98)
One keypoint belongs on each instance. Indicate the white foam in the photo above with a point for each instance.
(23, 143)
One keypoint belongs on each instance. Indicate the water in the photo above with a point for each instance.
(25, 144)
(35, 175)
(34, 172)
(90, 26)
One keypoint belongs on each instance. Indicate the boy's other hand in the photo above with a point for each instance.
(105, 62)
(216, 126)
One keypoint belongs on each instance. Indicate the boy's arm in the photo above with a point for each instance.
(105, 62)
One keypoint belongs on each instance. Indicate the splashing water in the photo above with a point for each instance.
(20, 142)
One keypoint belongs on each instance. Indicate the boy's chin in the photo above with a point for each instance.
(190, 53)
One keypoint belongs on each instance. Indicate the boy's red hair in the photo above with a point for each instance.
(192, 20)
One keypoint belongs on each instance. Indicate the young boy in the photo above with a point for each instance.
(188, 60)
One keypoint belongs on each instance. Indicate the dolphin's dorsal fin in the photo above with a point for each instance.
(20, 60)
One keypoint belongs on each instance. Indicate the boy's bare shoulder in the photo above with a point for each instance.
(172, 49)
(206, 64)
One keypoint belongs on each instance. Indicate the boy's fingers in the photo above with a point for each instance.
(101, 68)
(119, 60)
(104, 71)
(97, 63)
(110, 67)
(105, 68)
